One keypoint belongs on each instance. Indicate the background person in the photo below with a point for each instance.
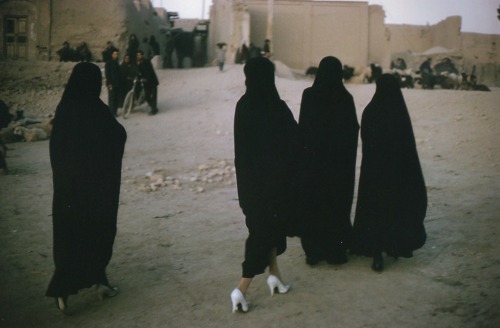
(66, 53)
(153, 47)
(83, 52)
(428, 78)
(146, 71)
(128, 74)
(108, 51)
(114, 81)
(221, 55)
(132, 47)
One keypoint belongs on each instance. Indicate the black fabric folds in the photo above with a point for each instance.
(86, 150)
(392, 197)
(329, 128)
(265, 143)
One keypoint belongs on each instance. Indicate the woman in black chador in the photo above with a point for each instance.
(86, 149)
(265, 144)
(329, 127)
(133, 47)
(392, 198)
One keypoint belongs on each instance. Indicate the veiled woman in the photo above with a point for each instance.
(86, 149)
(392, 197)
(133, 47)
(329, 127)
(265, 142)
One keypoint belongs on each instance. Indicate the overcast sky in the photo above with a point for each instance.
(477, 15)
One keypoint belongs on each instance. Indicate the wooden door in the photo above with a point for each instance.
(16, 37)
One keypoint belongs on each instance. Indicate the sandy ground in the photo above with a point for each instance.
(181, 234)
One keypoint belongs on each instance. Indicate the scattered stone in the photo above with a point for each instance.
(217, 172)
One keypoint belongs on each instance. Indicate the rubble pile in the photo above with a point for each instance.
(34, 87)
(213, 174)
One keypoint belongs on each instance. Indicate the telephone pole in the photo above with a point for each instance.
(270, 14)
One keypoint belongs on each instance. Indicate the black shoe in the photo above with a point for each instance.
(153, 112)
(397, 254)
(338, 257)
(312, 260)
(378, 263)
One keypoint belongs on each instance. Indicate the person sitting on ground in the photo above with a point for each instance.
(66, 53)
(83, 52)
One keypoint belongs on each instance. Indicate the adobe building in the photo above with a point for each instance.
(304, 31)
(301, 32)
(36, 29)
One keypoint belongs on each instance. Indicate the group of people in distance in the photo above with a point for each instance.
(80, 53)
(297, 179)
(293, 179)
(120, 79)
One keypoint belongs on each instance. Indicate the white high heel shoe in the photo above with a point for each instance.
(239, 302)
(276, 285)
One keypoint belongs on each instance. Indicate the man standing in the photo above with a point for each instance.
(428, 78)
(112, 72)
(221, 55)
(147, 72)
(108, 51)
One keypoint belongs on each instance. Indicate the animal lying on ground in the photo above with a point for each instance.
(30, 134)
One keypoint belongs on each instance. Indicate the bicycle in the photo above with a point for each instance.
(135, 97)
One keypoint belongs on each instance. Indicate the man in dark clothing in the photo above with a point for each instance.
(266, 51)
(83, 52)
(147, 72)
(428, 78)
(153, 47)
(108, 51)
(66, 53)
(5, 119)
(128, 74)
(112, 72)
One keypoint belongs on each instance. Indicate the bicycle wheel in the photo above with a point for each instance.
(128, 103)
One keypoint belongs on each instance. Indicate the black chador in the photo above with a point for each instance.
(392, 197)
(329, 127)
(86, 149)
(265, 143)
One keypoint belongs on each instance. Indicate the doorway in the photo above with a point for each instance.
(16, 37)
